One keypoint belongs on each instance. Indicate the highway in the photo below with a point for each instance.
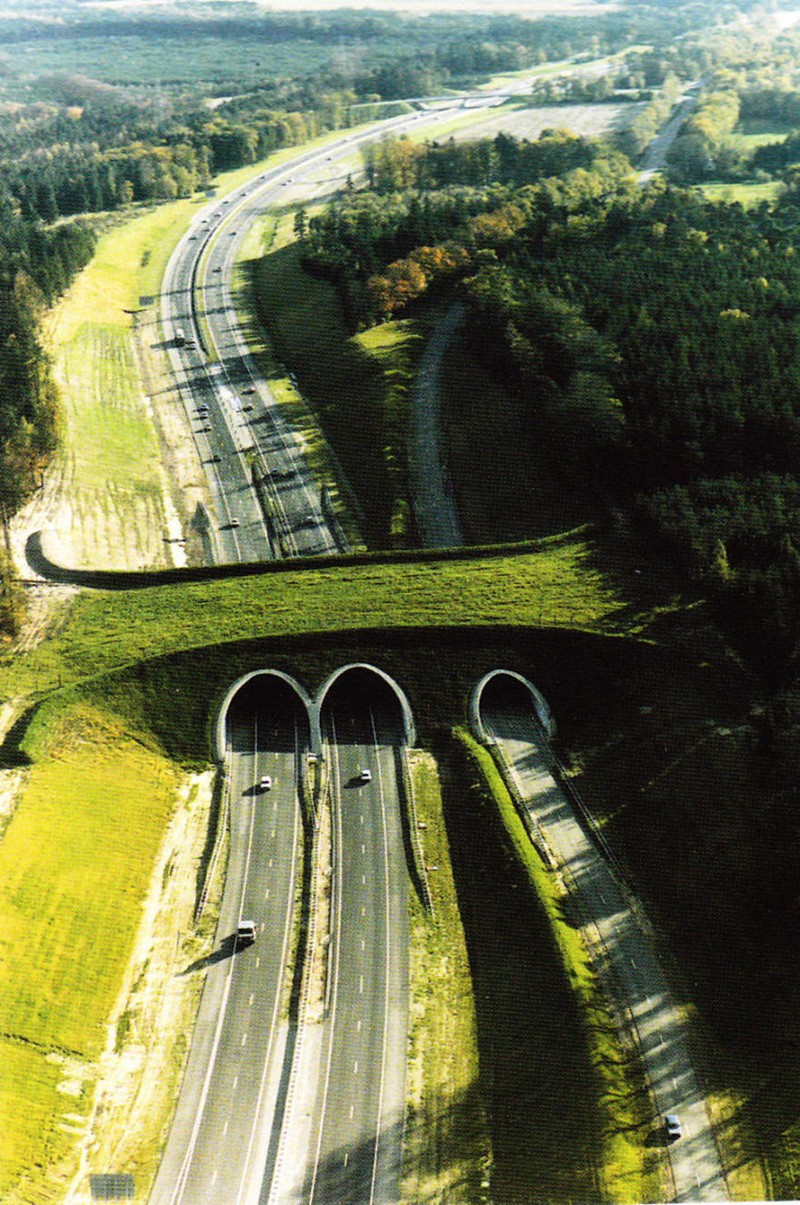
(629, 969)
(220, 1140)
(264, 500)
(353, 1138)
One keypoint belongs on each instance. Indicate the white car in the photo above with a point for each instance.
(365, 776)
(266, 783)
(672, 1126)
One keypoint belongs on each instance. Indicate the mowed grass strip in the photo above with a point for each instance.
(75, 864)
(33, 1117)
(558, 586)
(446, 1135)
(569, 1103)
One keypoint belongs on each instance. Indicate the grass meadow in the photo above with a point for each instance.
(75, 862)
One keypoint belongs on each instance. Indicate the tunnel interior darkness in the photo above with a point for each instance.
(503, 696)
(267, 713)
(360, 706)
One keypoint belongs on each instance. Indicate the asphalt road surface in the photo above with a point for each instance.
(264, 500)
(631, 972)
(220, 1141)
(349, 1149)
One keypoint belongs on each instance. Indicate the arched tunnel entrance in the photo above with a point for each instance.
(502, 699)
(267, 710)
(361, 705)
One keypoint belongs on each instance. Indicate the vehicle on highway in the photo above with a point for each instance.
(266, 783)
(245, 933)
(672, 1127)
(250, 389)
(180, 338)
(234, 522)
(365, 776)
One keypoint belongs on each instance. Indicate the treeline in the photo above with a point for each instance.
(36, 265)
(432, 208)
(659, 332)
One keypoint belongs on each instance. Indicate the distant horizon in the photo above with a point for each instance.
(532, 8)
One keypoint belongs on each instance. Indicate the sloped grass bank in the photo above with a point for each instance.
(75, 863)
(446, 1136)
(554, 586)
(357, 385)
(569, 1107)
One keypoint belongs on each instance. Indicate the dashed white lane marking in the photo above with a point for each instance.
(244, 1038)
(273, 832)
(352, 1111)
(252, 997)
(258, 962)
(214, 1177)
(270, 863)
(363, 848)
(363, 880)
(363, 944)
(355, 1067)
(358, 1027)
(346, 1157)
(225, 1128)
(235, 1082)
(361, 984)
(266, 894)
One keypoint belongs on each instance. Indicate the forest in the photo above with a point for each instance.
(661, 330)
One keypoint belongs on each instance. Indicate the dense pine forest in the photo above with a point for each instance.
(660, 331)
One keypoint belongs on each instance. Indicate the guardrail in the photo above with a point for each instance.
(222, 820)
(407, 791)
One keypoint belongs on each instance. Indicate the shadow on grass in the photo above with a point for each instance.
(226, 949)
(12, 755)
(535, 1060)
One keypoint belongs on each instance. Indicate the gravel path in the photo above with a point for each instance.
(434, 505)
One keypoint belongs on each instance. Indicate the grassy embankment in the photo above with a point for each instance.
(569, 1118)
(114, 509)
(356, 385)
(560, 586)
(73, 864)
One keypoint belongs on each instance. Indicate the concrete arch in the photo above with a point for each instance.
(302, 695)
(409, 728)
(540, 705)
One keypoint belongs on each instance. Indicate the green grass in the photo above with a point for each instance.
(446, 1136)
(33, 1144)
(355, 385)
(569, 1107)
(75, 862)
(751, 133)
(557, 586)
(747, 195)
(517, 475)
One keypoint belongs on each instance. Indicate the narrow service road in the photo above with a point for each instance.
(631, 972)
